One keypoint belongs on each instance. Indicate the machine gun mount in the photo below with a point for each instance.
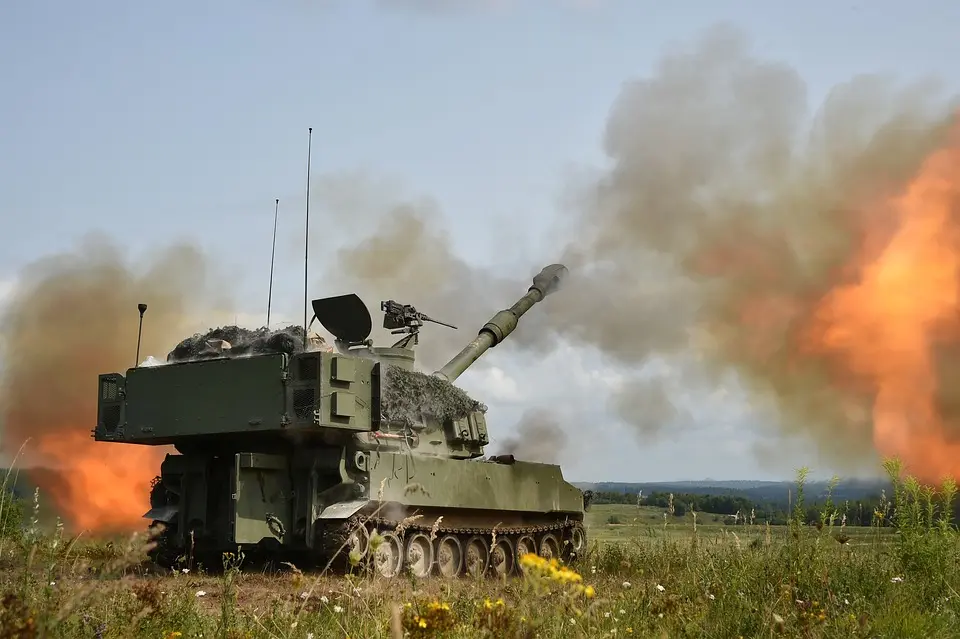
(404, 318)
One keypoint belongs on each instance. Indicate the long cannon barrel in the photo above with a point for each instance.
(502, 324)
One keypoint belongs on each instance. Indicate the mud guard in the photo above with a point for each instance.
(162, 513)
(342, 510)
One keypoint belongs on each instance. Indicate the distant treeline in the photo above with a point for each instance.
(739, 510)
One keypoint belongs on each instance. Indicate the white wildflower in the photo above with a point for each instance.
(660, 588)
(337, 609)
(573, 621)
(896, 580)
(627, 584)
(186, 570)
(607, 614)
(201, 593)
(324, 599)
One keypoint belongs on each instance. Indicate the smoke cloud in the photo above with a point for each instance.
(537, 437)
(727, 215)
(410, 258)
(730, 233)
(72, 317)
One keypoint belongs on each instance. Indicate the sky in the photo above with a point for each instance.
(156, 123)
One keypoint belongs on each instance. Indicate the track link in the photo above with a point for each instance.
(452, 551)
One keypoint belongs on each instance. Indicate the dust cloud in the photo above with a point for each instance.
(537, 437)
(72, 317)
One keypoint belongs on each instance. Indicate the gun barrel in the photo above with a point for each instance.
(503, 323)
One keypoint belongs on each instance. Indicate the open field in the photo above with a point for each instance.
(646, 576)
(647, 525)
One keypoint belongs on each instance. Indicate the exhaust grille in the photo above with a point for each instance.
(110, 418)
(304, 401)
(308, 368)
(109, 390)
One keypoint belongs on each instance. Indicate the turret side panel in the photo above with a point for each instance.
(221, 396)
(444, 483)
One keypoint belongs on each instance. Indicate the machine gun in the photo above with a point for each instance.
(404, 318)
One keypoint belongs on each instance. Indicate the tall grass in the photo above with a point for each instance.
(799, 580)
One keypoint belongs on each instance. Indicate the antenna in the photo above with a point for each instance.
(273, 256)
(143, 309)
(306, 240)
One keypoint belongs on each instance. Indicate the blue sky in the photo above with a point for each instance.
(160, 121)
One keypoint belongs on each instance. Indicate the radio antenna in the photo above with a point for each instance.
(273, 257)
(143, 309)
(306, 240)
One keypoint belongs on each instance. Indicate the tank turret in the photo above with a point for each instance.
(503, 323)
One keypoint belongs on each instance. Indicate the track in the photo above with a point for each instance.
(451, 552)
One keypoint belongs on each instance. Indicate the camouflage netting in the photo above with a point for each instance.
(406, 395)
(242, 341)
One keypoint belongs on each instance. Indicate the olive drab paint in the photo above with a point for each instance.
(309, 452)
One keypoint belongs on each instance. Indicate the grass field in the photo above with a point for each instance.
(645, 524)
(646, 576)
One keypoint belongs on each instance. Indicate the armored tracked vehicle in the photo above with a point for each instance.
(289, 448)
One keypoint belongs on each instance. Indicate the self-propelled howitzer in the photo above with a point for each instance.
(307, 451)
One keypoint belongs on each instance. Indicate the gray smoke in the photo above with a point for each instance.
(409, 257)
(537, 437)
(726, 216)
(728, 211)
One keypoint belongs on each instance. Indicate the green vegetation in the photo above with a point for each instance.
(649, 573)
(742, 507)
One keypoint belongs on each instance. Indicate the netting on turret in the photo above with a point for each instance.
(243, 341)
(406, 396)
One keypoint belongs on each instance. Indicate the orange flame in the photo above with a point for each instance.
(73, 317)
(886, 328)
(106, 487)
